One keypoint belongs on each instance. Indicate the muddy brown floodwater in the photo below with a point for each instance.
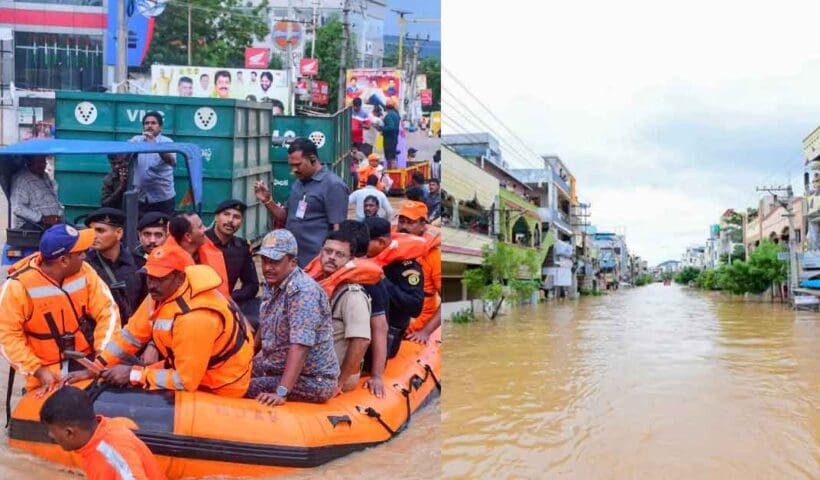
(654, 382)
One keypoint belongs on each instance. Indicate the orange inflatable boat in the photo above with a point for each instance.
(195, 434)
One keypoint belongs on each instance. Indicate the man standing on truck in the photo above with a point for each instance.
(154, 172)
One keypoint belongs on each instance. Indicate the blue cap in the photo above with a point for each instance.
(63, 239)
(277, 244)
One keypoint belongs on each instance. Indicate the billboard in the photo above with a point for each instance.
(214, 82)
(257, 57)
(140, 30)
(374, 86)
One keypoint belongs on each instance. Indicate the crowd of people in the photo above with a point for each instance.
(338, 294)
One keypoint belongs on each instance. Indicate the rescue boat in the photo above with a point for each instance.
(196, 434)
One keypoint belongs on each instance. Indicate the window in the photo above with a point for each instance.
(57, 61)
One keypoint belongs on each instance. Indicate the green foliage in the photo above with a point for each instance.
(499, 276)
(431, 67)
(220, 31)
(708, 279)
(329, 40)
(667, 276)
(462, 316)
(757, 274)
(688, 274)
(642, 280)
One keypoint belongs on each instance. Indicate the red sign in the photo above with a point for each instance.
(257, 57)
(318, 92)
(426, 97)
(309, 66)
(287, 33)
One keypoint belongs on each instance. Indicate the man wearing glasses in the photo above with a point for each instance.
(154, 172)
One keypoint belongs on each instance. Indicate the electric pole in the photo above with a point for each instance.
(190, 6)
(794, 265)
(315, 23)
(122, 48)
(401, 13)
(343, 59)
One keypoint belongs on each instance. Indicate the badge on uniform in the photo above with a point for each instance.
(413, 279)
(301, 208)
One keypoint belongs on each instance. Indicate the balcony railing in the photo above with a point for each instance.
(561, 182)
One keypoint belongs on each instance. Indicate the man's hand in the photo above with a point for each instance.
(419, 337)
(270, 399)
(51, 219)
(150, 355)
(119, 375)
(261, 191)
(48, 381)
(78, 376)
(376, 386)
(149, 137)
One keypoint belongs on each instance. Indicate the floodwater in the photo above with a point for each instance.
(654, 382)
(414, 454)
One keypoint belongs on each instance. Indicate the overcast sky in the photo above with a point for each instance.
(666, 113)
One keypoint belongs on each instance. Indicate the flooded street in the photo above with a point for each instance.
(653, 382)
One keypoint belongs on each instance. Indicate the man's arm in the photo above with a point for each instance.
(355, 309)
(102, 308)
(20, 200)
(388, 209)
(250, 282)
(294, 365)
(277, 212)
(16, 310)
(336, 201)
(407, 297)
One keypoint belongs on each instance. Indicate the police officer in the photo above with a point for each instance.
(153, 231)
(113, 262)
(403, 280)
(237, 253)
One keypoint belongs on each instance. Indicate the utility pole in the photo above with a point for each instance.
(402, 21)
(189, 33)
(794, 264)
(122, 48)
(343, 59)
(315, 23)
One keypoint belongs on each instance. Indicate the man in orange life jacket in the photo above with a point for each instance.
(404, 280)
(342, 278)
(413, 220)
(108, 448)
(188, 232)
(53, 301)
(201, 336)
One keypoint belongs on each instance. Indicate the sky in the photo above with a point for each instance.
(666, 113)
(421, 9)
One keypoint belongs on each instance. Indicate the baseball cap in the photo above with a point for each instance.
(374, 156)
(166, 259)
(277, 244)
(106, 215)
(412, 150)
(62, 239)
(153, 219)
(232, 203)
(413, 210)
(377, 226)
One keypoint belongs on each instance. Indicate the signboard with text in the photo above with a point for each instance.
(309, 66)
(256, 57)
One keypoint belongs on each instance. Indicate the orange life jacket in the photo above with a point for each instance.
(115, 453)
(209, 254)
(358, 270)
(228, 357)
(47, 311)
(365, 172)
(403, 246)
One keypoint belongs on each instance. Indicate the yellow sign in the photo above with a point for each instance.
(435, 122)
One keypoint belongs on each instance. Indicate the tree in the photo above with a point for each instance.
(761, 271)
(329, 39)
(498, 278)
(688, 274)
(220, 31)
(431, 66)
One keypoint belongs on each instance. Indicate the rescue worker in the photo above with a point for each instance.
(53, 301)
(413, 220)
(396, 253)
(108, 448)
(113, 263)
(342, 277)
(376, 356)
(371, 168)
(202, 338)
(153, 231)
(236, 250)
(187, 231)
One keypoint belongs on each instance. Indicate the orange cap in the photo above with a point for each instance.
(165, 259)
(374, 156)
(413, 210)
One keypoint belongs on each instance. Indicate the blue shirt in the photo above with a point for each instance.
(298, 312)
(153, 176)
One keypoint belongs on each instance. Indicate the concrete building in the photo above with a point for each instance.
(694, 257)
(669, 266)
(771, 223)
(613, 259)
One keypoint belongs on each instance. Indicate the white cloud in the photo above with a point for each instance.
(666, 114)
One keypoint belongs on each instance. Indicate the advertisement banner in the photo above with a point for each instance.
(421, 82)
(309, 66)
(319, 92)
(426, 97)
(374, 86)
(214, 82)
(257, 57)
(140, 31)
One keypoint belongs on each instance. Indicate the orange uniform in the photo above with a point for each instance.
(115, 453)
(36, 312)
(357, 270)
(402, 247)
(431, 267)
(204, 341)
(209, 254)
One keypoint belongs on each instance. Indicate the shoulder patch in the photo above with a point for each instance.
(413, 279)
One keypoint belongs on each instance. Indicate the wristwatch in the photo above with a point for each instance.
(282, 391)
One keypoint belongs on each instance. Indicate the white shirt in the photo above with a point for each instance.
(359, 195)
